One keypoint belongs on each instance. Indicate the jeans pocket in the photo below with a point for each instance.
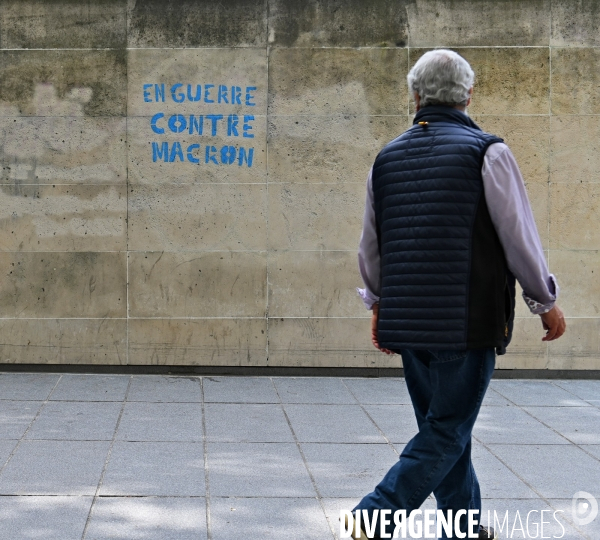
(448, 356)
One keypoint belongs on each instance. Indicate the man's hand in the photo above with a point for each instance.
(374, 339)
(554, 324)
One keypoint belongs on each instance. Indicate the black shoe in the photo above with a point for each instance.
(486, 533)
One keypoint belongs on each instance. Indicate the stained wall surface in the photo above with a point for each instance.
(183, 182)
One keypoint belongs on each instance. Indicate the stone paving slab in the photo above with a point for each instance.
(159, 468)
(90, 456)
(54, 468)
(16, 416)
(165, 389)
(161, 422)
(492, 422)
(256, 518)
(50, 518)
(27, 386)
(239, 390)
(586, 390)
(593, 449)
(332, 424)
(553, 471)
(537, 393)
(397, 422)
(246, 422)
(496, 480)
(75, 387)
(348, 470)
(379, 391)
(257, 470)
(586, 430)
(150, 518)
(76, 421)
(494, 398)
(313, 390)
(6, 447)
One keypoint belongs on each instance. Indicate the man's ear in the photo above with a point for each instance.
(417, 102)
(470, 96)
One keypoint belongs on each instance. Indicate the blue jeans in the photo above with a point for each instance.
(446, 390)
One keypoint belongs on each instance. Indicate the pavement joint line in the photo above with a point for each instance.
(112, 443)
(546, 500)
(268, 115)
(29, 426)
(573, 443)
(371, 418)
(564, 442)
(591, 402)
(225, 497)
(127, 226)
(205, 452)
(299, 447)
(530, 486)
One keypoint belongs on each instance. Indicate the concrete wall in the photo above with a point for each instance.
(112, 255)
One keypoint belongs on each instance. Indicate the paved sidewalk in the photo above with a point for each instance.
(225, 458)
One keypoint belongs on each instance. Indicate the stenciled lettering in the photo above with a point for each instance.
(203, 123)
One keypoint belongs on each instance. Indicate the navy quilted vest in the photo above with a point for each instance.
(445, 283)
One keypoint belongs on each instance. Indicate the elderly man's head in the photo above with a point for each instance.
(441, 77)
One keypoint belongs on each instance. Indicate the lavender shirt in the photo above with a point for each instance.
(512, 218)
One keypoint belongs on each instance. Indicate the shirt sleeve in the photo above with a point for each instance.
(368, 252)
(513, 220)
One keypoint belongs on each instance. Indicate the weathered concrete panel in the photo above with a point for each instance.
(575, 23)
(39, 24)
(574, 216)
(337, 81)
(63, 218)
(63, 285)
(213, 284)
(315, 216)
(63, 150)
(198, 342)
(198, 158)
(314, 284)
(575, 81)
(579, 278)
(507, 80)
(526, 350)
(578, 348)
(197, 217)
(63, 83)
(378, 23)
(105, 170)
(209, 68)
(327, 149)
(189, 23)
(441, 23)
(63, 341)
(328, 342)
(528, 138)
(575, 149)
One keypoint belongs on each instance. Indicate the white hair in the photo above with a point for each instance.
(441, 77)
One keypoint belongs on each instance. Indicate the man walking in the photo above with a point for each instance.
(447, 228)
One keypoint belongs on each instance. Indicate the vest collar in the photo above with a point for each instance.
(441, 113)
